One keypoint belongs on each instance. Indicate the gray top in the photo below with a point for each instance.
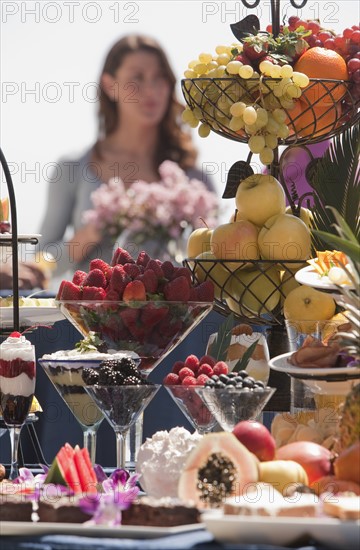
(69, 195)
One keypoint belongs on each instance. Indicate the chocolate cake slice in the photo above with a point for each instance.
(164, 512)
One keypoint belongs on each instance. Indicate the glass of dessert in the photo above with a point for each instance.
(17, 387)
(193, 407)
(64, 369)
(121, 394)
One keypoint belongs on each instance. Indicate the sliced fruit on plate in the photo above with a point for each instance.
(72, 468)
(326, 260)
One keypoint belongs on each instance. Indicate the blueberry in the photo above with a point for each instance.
(231, 382)
(223, 378)
(239, 385)
(238, 379)
(232, 374)
(248, 383)
(243, 373)
(214, 378)
(210, 384)
(219, 384)
(246, 390)
(259, 384)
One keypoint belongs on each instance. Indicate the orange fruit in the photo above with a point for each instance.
(316, 121)
(321, 63)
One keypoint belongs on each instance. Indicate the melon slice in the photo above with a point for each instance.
(222, 458)
(72, 468)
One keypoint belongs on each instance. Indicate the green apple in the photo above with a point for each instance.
(285, 237)
(253, 292)
(198, 241)
(259, 197)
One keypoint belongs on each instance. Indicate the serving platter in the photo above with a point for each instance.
(22, 528)
(283, 531)
(320, 380)
(309, 277)
(30, 316)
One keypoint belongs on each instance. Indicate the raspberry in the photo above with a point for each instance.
(189, 381)
(202, 379)
(206, 369)
(184, 372)
(192, 362)
(221, 368)
(171, 379)
(208, 360)
(178, 365)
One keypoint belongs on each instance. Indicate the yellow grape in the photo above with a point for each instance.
(265, 67)
(275, 71)
(262, 118)
(192, 63)
(293, 91)
(283, 131)
(221, 70)
(279, 115)
(238, 108)
(236, 123)
(246, 71)
(187, 115)
(221, 49)
(190, 74)
(286, 102)
(286, 71)
(205, 57)
(204, 130)
(200, 68)
(300, 79)
(271, 141)
(223, 59)
(249, 115)
(233, 67)
(251, 129)
(266, 156)
(272, 126)
(212, 65)
(256, 144)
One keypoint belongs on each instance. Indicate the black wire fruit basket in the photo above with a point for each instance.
(252, 290)
(328, 106)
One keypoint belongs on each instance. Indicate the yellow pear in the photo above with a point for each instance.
(308, 304)
(283, 475)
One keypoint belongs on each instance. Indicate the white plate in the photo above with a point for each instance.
(21, 237)
(21, 528)
(343, 377)
(30, 316)
(283, 531)
(309, 277)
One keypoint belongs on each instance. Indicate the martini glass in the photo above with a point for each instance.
(193, 407)
(17, 388)
(121, 406)
(66, 376)
(232, 405)
(152, 329)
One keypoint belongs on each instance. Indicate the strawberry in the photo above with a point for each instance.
(143, 258)
(95, 277)
(112, 295)
(168, 269)
(184, 372)
(103, 266)
(244, 60)
(121, 256)
(177, 290)
(79, 277)
(182, 271)
(206, 291)
(132, 270)
(134, 290)
(153, 264)
(150, 281)
(70, 291)
(93, 293)
(119, 280)
(60, 289)
(177, 366)
(130, 317)
(256, 47)
(171, 379)
(151, 314)
(194, 295)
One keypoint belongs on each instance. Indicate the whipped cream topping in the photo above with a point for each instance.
(161, 459)
(17, 348)
(19, 385)
(75, 355)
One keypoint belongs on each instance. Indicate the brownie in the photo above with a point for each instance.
(64, 509)
(15, 508)
(160, 513)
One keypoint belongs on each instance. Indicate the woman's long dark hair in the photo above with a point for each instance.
(174, 143)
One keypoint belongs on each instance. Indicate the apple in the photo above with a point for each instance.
(198, 241)
(305, 215)
(285, 237)
(259, 197)
(235, 241)
(308, 304)
(331, 484)
(253, 291)
(256, 438)
(215, 272)
(314, 458)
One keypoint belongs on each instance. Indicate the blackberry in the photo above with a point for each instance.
(119, 378)
(90, 376)
(127, 365)
(131, 381)
(106, 376)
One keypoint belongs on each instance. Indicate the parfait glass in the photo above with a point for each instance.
(193, 407)
(66, 376)
(17, 388)
(121, 406)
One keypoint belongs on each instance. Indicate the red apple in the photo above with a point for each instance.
(314, 458)
(256, 438)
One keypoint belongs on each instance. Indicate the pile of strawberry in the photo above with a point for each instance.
(126, 279)
(194, 371)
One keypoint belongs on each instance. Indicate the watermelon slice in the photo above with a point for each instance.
(72, 468)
